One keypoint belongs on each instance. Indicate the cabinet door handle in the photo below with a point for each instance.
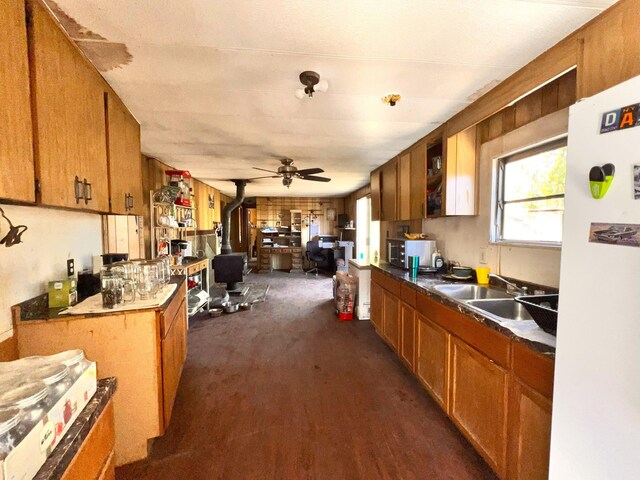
(77, 185)
(87, 191)
(130, 202)
(126, 201)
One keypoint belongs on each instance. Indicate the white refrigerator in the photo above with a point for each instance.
(596, 403)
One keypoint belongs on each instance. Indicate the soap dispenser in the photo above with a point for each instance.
(436, 259)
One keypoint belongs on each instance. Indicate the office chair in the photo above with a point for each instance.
(317, 255)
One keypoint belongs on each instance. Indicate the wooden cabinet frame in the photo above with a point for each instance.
(497, 391)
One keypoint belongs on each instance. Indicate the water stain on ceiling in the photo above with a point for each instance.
(105, 55)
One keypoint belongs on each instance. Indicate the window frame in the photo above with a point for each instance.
(498, 202)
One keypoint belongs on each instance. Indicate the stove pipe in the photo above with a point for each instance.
(226, 216)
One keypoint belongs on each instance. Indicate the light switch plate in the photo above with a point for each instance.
(483, 256)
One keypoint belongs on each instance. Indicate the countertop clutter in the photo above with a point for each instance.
(527, 332)
(57, 465)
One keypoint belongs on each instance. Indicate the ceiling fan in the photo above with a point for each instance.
(288, 172)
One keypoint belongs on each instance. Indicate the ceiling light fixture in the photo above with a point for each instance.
(312, 83)
(391, 99)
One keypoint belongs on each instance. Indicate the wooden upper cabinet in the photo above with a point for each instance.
(16, 134)
(404, 191)
(375, 195)
(388, 188)
(125, 161)
(461, 173)
(418, 181)
(69, 117)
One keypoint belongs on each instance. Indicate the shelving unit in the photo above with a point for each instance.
(161, 235)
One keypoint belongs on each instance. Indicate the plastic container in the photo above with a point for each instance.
(56, 377)
(32, 398)
(74, 360)
(11, 430)
(482, 273)
(543, 309)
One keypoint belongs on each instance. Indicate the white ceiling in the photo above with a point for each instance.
(212, 81)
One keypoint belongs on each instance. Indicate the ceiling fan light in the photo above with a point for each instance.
(300, 94)
(322, 86)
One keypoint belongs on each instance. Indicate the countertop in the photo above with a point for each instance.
(527, 332)
(64, 453)
(38, 308)
(359, 263)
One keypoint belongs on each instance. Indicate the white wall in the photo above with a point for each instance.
(461, 238)
(53, 237)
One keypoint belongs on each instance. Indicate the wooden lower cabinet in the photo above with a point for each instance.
(376, 306)
(174, 354)
(95, 458)
(529, 433)
(391, 309)
(432, 359)
(407, 335)
(143, 349)
(497, 391)
(478, 402)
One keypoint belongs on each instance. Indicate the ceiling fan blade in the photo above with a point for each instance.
(315, 179)
(267, 176)
(309, 171)
(264, 170)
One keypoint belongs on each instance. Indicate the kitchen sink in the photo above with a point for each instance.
(470, 292)
(507, 309)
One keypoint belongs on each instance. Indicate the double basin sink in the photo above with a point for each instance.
(494, 302)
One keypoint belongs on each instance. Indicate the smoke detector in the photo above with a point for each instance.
(391, 99)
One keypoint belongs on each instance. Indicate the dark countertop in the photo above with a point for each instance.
(64, 453)
(37, 308)
(424, 284)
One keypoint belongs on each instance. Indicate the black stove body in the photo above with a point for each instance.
(231, 268)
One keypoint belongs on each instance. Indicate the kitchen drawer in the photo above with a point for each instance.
(491, 343)
(196, 267)
(408, 295)
(533, 369)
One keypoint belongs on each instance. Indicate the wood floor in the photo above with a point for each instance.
(286, 391)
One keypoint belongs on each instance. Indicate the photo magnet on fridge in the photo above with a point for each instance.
(626, 234)
(636, 182)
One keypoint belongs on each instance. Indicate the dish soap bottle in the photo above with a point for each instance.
(436, 259)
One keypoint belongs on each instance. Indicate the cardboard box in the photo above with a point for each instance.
(63, 293)
(30, 454)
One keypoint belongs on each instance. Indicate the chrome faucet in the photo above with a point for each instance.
(523, 290)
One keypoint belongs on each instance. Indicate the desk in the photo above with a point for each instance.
(265, 260)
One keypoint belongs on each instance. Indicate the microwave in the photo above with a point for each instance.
(399, 250)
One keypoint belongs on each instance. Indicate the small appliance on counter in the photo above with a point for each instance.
(399, 250)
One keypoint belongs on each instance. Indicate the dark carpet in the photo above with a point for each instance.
(286, 391)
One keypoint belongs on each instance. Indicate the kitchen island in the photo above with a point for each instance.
(144, 349)
(495, 385)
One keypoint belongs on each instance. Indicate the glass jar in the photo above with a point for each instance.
(147, 284)
(164, 269)
(11, 431)
(127, 268)
(74, 360)
(32, 398)
(56, 377)
(111, 288)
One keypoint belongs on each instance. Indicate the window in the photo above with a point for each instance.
(529, 205)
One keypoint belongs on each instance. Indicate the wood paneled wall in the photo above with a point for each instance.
(552, 97)
(268, 209)
(606, 51)
(351, 200)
